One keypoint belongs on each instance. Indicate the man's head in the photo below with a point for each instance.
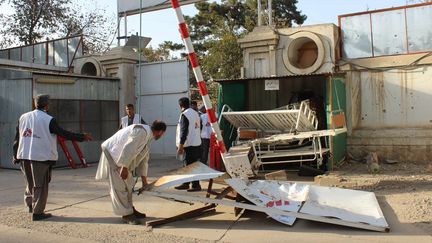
(202, 109)
(184, 103)
(194, 105)
(42, 101)
(158, 128)
(130, 110)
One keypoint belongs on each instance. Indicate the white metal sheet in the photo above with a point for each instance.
(162, 85)
(285, 196)
(238, 165)
(348, 205)
(151, 80)
(356, 36)
(192, 172)
(389, 32)
(419, 22)
(172, 72)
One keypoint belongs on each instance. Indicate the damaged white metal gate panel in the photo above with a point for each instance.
(348, 205)
(273, 194)
(284, 201)
(193, 172)
(345, 207)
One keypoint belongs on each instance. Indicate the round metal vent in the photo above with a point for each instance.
(304, 53)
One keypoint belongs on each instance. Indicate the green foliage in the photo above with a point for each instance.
(33, 21)
(224, 58)
(162, 53)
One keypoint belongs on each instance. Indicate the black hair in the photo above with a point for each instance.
(193, 102)
(42, 100)
(158, 125)
(130, 106)
(184, 102)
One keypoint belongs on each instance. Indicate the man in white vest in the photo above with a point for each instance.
(123, 154)
(188, 139)
(131, 117)
(35, 149)
(206, 132)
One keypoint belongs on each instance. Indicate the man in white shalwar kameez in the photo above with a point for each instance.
(127, 152)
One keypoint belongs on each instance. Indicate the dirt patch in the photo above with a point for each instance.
(406, 187)
(16, 218)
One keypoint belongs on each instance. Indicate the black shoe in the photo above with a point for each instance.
(195, 189)
(130, 219)
(138, 215)
(41, 216)
(30, 209)
(182, 187)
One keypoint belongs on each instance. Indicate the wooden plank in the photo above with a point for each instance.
(266, 210)
(186, 215)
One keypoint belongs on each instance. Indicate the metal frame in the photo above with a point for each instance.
(266, 147)
(285, 119)
(46, 44)
(316, 150)
(380, 11)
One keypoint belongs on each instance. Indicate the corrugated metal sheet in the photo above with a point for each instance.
(15, 99)
(83, 89)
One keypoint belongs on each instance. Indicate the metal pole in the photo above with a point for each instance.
(259, 13)
(125, 27)
(118, 25)
(198, 75)
(139, 60)
(269, 12)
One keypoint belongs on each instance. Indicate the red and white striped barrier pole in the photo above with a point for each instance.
(198, 75)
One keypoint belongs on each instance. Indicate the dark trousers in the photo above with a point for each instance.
(205, 146)
(192, 155)
(37, 176)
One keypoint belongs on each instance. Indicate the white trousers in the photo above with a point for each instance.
(121, 193)
(120, 190)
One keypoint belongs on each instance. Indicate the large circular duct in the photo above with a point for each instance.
(303, 53)
(88, 66)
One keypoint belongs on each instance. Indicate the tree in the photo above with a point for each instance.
(35, 20)
(162, 53)
(98, 29)
(216, 27)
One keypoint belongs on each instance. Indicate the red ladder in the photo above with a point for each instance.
(71, 162)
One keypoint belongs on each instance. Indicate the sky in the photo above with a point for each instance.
(162, 25)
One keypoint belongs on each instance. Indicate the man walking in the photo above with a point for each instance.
(188, 139)
(35, 149)
(131, 117)
(205, 134)
(127, 152)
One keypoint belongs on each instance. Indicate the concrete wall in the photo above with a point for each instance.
(388, 112)
(266, 51)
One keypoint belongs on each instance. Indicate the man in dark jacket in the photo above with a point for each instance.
(35, 149)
